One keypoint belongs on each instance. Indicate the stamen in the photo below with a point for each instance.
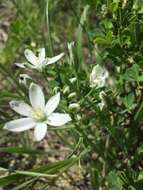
(39, 116)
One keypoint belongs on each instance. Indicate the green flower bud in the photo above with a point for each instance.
(74, 106)
(72, 95)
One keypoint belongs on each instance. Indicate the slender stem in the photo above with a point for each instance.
(88, 94)
(51, 49)
(48, 29)
(76, 147)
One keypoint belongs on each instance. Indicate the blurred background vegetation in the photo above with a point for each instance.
(26, 25)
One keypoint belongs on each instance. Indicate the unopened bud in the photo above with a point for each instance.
(33, 44)
(72, 95)
(78, 117)
(72, 80)
(56, 89)
(23, 79)
(74, 106)
(66, 89)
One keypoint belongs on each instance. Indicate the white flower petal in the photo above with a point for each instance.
(20, 125)
(58, 119)
(26, 64)
(21, 108)
(36, 96)
(52, 103)
(100, 83)
(30, 56)
(54, 59)
(40, 131)
(41, 55)
(20, 65)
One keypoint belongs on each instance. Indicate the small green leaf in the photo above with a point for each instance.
(114, 181)
(132, 73)
(140, 78)
(102, 41)
(128, 101)
(139, 185)
(114, 6)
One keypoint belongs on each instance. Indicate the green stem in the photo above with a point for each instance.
(48, 29)
(51, 49)
(88, 94)
(76, 147)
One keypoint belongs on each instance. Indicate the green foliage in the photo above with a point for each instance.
(114, 181)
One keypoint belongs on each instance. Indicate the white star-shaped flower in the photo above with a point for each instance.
(38, 115)
(38, 62)
(98, 76)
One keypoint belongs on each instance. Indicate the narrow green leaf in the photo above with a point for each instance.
(20, 150)
(49, 169)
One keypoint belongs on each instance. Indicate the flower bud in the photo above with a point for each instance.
(66, 89)
(130, 59)
(72, 80)
(23, 79)
(102, 96)
(56, 89)
(72, 95)
(78, 117)
(74, 106)
(33, 44)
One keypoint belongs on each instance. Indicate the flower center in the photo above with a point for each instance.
(39, 65)
(39, 116)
